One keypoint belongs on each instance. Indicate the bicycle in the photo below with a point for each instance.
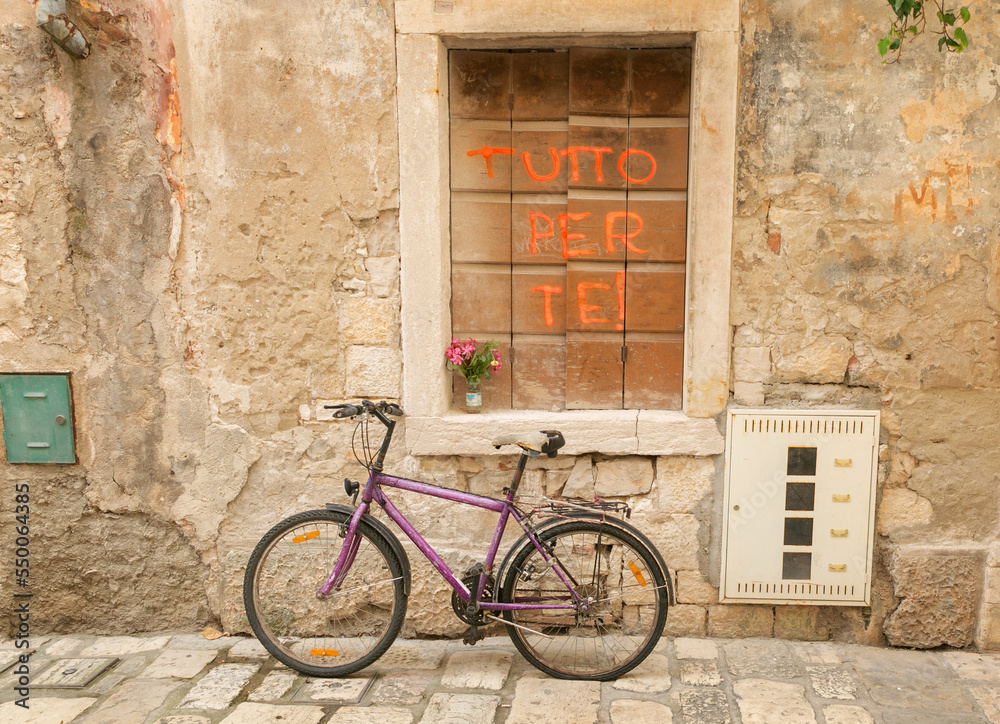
(582, 593)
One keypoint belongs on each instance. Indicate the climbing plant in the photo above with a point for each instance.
(911, 20)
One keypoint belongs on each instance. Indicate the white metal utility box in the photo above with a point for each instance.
(799, 507)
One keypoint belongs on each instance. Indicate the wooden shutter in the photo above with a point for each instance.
(569, 210)
(481, 170)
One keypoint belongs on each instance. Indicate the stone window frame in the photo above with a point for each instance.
(425, 31)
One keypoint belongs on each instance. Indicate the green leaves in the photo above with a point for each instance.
(911, 18)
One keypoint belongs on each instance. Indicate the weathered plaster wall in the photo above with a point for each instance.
(87, 208)
(866, 269)
(199, 222)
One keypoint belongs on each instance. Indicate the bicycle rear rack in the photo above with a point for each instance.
(573, 507)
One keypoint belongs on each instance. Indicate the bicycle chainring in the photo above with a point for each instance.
(459, 606)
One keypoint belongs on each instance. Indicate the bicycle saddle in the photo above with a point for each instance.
(544, 441)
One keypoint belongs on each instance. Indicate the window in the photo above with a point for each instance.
(425, 35)
(568, 222)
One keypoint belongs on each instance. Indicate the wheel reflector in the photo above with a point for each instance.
(324, 652)
(307, 536)
(635, 572)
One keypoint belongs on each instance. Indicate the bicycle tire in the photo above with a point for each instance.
(343, 632)
(623, 625)
(584, 515)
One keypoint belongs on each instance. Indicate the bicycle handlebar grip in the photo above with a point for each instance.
(344, 411)
(391, 409)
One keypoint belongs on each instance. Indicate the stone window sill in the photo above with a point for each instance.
(609, 432)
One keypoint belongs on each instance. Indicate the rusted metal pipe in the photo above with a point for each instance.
(50, 16)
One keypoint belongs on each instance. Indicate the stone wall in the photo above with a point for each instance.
(199, 223)
(866, 269)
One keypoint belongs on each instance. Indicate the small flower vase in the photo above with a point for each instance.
(474, 397)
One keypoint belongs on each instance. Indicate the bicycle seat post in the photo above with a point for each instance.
(518, 474)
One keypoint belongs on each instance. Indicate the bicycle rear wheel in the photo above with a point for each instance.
(342, 632)
(626, 598)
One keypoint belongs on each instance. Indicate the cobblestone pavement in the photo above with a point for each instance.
(187, 679)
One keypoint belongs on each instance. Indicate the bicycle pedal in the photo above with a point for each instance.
(473, 636)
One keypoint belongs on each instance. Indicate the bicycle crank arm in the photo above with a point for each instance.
(517, 625)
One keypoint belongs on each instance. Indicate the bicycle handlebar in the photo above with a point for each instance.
(345, 411)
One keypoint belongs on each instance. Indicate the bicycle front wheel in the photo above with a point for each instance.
(623, 609)
(342, 632)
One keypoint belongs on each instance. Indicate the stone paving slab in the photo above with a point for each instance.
(486, 669)
(72, 673)
(133, 701)
(275, 685)
(554, 701)
(841, 714)
(700, 673)
(178, 664)
(461, 709)
(705, 706)
(773, 702)
(686, 680)
(695, 649)
(347, 690)
(219, 687)
(45, 710)
(760, 658)
(404, 689)
(652, 676)
(371, 715)
(249, 713)
(124, 645)
(830, 682)
(631, 711)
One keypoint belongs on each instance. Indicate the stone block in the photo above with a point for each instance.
(124, 645)
(760, 657)
(580, 483)
(739, 621)
(368, 321)
(554, 700)
(630, 711)
(752, 364)
(698, 649)
(988, 635)
(652, 676)
(247, 713)
(748, 393)
(44, 710)
(674, 535)
(832, 682)
(901, 508)
(219, 687)
(683, 482)
(465, 708)
(178, 664)
(383, 273)
(400, 689)
(133, 701)
(940, 599)
(841, 714)
(486, 669)
(705, 706)
(700, 673)
(760, 700)
(799, 623)
(623, 477)
(373, 372)
(274, 686)
(693, 588)
(683, 620)
(823, 361)
(669, 433)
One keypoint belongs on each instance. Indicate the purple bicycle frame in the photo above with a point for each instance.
(373, 492)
